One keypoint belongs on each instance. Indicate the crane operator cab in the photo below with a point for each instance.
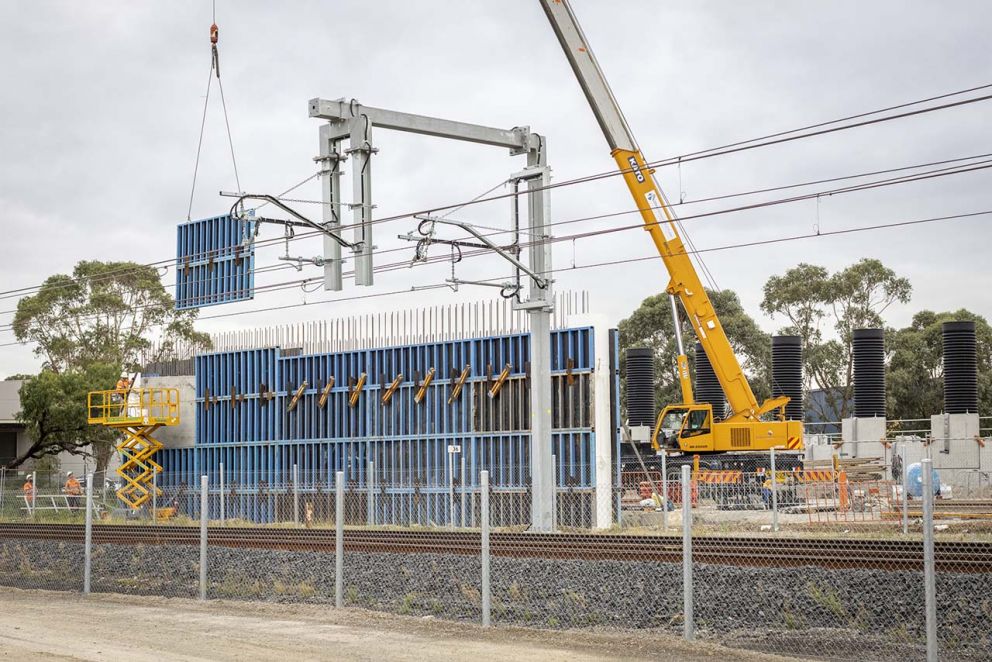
(684, 427)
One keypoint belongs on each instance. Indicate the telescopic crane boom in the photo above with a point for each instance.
(693, 426)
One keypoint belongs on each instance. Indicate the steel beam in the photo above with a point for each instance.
(341, 112)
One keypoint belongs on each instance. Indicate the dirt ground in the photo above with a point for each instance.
(44, 625)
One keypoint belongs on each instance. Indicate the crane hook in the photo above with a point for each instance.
(214, 36)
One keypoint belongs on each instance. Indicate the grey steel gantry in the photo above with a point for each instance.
(351, 120)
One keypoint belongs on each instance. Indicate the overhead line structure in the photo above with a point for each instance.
(669, 161)
(592, 233)
(963, 168)
(812, 235)
(763, 242)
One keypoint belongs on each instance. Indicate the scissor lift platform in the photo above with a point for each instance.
(138, 413)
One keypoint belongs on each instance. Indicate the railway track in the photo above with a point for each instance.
(832, 553)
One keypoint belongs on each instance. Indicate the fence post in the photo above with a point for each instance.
(203, 537)
(688, 627)
(339, 539)
(451, 487)
(154, 497)
(34, 491)
(486, 587)
(774, 493)
(223, 514)
(370, 508)
(554, 493)
(929, 569)
(3, 476)
(296, 495)
(461, 483)
(664, 490)
(88, 545)
(905, 490)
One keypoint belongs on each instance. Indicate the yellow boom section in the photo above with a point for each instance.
(685, 284)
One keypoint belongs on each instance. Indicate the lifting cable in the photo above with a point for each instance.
(214, 71)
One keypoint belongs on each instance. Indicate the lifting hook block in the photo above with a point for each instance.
(326, 392)
(569, 364)
(388, 395)
(356, 390)
(297, 396)
(494, 391)
(206, 399)
(422, 390)
(457, 388)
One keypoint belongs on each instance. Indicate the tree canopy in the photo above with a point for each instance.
(914, 380)
(106, 312)
(90, 327)
(810, 298)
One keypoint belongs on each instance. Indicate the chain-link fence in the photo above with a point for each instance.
(734, 557)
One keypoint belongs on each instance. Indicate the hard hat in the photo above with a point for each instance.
(68, 473)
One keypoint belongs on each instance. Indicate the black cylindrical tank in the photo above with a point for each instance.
(960, 368)
(787, 373)
(707, 387)
(869, 372)
(640, 386)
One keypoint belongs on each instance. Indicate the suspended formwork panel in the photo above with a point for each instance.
(215, 262)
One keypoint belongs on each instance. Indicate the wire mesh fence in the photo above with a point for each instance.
(763, 574)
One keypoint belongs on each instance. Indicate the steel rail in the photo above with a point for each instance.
(830, 553)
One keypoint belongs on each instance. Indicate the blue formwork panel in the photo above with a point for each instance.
(246, 420)
(215, 262)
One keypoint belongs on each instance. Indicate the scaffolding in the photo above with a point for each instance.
(137, 413)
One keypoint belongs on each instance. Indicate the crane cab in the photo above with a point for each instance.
(687, 428)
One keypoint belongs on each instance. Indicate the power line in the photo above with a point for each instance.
(980, 165)
(753, 143)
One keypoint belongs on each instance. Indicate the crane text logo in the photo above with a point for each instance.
(636, 169)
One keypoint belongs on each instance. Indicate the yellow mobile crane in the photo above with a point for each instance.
(687, 426)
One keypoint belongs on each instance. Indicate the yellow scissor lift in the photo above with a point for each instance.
(138, 413)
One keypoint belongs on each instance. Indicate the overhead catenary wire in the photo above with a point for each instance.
(699, 154)
(762, 242)
(817, 194)
(593, 233)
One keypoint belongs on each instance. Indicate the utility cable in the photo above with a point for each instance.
(822, 193)
(713, 151)
(691, 250)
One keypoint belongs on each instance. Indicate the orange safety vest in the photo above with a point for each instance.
(123, 384)
(28, 488)
(72, 487)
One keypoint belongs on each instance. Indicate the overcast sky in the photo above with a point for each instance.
(101, 107)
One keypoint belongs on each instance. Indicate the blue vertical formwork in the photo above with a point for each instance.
(244, 413)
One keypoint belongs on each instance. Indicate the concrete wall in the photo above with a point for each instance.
(182, 435)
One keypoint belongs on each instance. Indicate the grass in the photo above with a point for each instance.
(828, 599)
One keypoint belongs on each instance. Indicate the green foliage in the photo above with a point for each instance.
(914, 378)
(90, 328)
(651, 326)
(53, 407)
(809, 298)
(105, 312)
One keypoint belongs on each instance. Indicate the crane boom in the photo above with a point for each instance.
(659, 220)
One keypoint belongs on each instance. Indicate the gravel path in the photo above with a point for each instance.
(111, 627)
